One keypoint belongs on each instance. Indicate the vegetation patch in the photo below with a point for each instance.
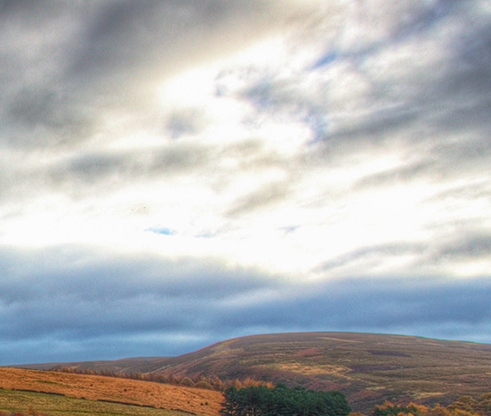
(37, 404)
(110, 390)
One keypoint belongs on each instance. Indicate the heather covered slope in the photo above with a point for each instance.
(368, 368)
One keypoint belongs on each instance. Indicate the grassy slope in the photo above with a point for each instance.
(368, 368)
(109, 389)
(54, 405)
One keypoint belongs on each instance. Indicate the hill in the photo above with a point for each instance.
(368, 368)
(107, 390)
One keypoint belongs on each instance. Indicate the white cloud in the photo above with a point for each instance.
(309, 142)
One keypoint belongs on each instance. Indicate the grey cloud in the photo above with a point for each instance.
(472, 51)
(183, 122)
(263, 197)
(69, 60)
(422, 18)
(467, 157)
(123, 39)
(477, 245)
(129, 33)
(397, 176)
(457, 242)
(92, 277)
(85, 298)
(252, 154)
(402, 108)
(375, 305)
(291, 99)
(375, 253)
(86, 295)
(40, 107)
(100, 169)
(39, 116)
(452, 100)
(477, 191)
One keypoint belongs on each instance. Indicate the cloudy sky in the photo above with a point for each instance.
(179, 172)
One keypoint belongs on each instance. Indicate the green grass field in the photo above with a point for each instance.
(53, 405)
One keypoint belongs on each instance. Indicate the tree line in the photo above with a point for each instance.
(283, 401)
(210, 383)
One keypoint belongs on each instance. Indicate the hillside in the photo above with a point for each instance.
(111, 390)
(368, 368)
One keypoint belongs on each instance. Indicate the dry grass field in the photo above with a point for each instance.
(37, 404)
(111, 390)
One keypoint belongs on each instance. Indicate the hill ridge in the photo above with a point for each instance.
(369, 368)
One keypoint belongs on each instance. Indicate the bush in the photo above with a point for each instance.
(202, 384)
(186, 381)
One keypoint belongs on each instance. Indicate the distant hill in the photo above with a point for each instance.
(368, 368)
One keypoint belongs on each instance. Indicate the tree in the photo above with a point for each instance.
(282, 401)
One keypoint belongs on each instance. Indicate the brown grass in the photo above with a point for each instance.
(142, 393)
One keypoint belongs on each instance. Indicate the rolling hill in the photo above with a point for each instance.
(368, 368)
(161, 399)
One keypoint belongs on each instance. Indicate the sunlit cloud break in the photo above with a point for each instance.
(174, 173)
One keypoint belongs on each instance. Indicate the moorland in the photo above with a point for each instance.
(367, 368)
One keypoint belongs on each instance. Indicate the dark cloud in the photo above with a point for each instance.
(376, 305)
(466, 246)
(73, 271)
(125, 35)
(85, 295)
(87, 298)
(128, 44)
(66, 61)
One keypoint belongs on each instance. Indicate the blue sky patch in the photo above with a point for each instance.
(161, 230)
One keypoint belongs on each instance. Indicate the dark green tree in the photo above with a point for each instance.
(283, 401)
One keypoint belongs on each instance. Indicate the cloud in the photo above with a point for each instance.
(87, 298)
(108, 55)
(373, 254)
(434, 306)
(190, 171)
(85, 295)
(269, 194)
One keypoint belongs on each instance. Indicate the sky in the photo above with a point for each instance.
(174, 173)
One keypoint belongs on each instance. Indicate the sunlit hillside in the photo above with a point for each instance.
(107, 390)
(368, 368)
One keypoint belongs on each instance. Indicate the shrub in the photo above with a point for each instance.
(202, 384)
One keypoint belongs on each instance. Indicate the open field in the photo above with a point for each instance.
(368, 368)
(53, 405)
(107, 390)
